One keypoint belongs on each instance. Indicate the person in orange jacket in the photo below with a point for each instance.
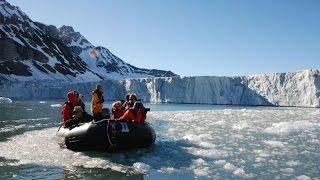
(97, 102)
(68, 106)
(136, 111)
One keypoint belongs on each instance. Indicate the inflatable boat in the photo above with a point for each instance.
(108, 135)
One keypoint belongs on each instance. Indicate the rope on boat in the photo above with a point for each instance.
(112, 146)
(60, 126)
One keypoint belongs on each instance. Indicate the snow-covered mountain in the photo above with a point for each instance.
(32, 51)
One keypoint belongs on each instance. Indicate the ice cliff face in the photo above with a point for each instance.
(32, 51)
(279, 89)
(288, 89)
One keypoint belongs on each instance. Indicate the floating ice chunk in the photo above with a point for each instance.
(315, 113)
(94, 162)
(287, 170)
(209, 153)
(220, 162)
(200, 167)
(56, 105)
(238, 136)
(230, 167)
(14, 164)
(201, 171)
(220, 123)
(314, 141)
(141, 167)
(240, 172)
(261, 153)
(234, 169)
(277, 144)
(200, 162)
(285, 128)
(240, 161)
(228, 111)
(88, 162)
(272, 161)
(303, 177)
(169, 170)
(5, 100)
(12, 128)
(42, 102)
(207, 145)
(240, 125)
(260, 159)
(197, 138)
(292, 163)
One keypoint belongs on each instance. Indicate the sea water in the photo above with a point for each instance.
(193, 141)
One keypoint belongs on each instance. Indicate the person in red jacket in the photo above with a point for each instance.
(67, 108)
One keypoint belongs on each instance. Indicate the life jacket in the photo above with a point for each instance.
(100, 95)
(67, 108)
(141, 115)
(117, 113)
(128, 115)
(66, 111)
(97, 102)
(138, 114)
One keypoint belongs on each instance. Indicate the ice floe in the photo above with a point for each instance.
(284, 128)
(5, 100)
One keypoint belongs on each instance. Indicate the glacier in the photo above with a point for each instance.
(301, 89)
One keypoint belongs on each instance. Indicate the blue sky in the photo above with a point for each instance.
(195, 37)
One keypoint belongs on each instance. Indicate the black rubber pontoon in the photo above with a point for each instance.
(109, 135)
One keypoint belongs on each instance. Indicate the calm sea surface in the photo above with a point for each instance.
(193, 141)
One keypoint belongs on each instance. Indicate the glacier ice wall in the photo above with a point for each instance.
(280, 89)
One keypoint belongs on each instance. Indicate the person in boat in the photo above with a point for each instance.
(77, 118)
(117, 109)
(86, 115)
(68, 106)
(81, 102)
(97, 102)
(136, 112)
(126, 101)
